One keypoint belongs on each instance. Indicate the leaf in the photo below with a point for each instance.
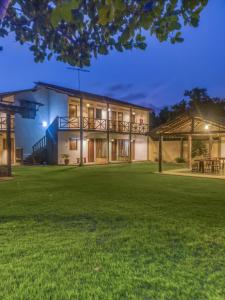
(64, 12)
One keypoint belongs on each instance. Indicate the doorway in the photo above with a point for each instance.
(120, 121)
(90, 117)
(113, 124)
(114, 150)
(91, 157)
(133, 150)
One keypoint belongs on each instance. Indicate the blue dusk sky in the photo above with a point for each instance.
(157, 76)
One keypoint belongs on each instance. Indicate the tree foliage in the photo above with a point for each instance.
(199, 148)
(197, 101)
(75, 31)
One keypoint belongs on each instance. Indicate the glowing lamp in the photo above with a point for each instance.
(44, 124)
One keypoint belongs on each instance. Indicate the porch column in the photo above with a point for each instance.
(148, 147)
(9, 144)
(81, 131)
(130, 136)
(190, 151)
(182, 148)
(210, 146)
(160, 153)
(220, 147)
(108, 156)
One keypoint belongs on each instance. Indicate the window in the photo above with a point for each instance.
(123, 148)
(101, 148)
(72, 111)
(98, 113)
(73, 144)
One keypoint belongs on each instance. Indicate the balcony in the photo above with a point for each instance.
(3, 124)
(66, 123)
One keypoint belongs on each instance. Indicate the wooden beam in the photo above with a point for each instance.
(190, 151)
(81, 133)
(160, 153)
(108, 134)
(210, 145)
(130, 136)
(182, 148)
(9, 144)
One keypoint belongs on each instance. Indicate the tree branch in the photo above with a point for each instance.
(4, 4)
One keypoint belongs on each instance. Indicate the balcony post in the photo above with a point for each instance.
(81, 131)
(130, 136)
(9, 144)
(160, 153)
(108, 159)
(190, 151)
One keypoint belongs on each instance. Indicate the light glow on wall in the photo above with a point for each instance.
(206, 127)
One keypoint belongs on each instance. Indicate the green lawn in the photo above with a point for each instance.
(117, 232)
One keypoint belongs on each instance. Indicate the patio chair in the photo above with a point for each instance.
(208, 166)
(216, 166)
(195, 167)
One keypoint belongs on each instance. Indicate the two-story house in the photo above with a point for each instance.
(82, 128)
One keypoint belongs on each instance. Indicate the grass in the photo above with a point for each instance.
(118, 232)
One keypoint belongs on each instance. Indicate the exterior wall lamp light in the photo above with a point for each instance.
(44, 124)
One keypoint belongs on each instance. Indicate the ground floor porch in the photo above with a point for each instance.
(100, 148)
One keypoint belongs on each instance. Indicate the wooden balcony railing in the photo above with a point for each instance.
(3, 124)
(103, 125)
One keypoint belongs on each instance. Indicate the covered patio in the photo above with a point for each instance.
(194, 130)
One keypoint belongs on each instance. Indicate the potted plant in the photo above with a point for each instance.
(66, 159)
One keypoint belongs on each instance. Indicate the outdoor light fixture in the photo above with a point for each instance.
(206, 127)
(44, 124)
(112, 140)
(109, 109)
(133, 113)
(88, 105)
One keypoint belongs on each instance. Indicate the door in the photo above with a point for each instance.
(133, 150)
(91, 150)
(113, 124)
(72, 110)
(90, 117)
(73, 121)
(120, 121)
(114, 150)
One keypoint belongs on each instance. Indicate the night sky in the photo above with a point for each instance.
(157, 76)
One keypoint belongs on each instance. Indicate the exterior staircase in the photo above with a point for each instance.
(39, 154)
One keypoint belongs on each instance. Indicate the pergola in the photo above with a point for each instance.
(27, 110)
(189, 125)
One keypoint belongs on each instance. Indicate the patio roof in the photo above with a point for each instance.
(191, 124)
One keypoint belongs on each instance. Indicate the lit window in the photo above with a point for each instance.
(73, 144)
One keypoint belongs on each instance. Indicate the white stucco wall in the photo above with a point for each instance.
(28, 131)
(141, 148)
